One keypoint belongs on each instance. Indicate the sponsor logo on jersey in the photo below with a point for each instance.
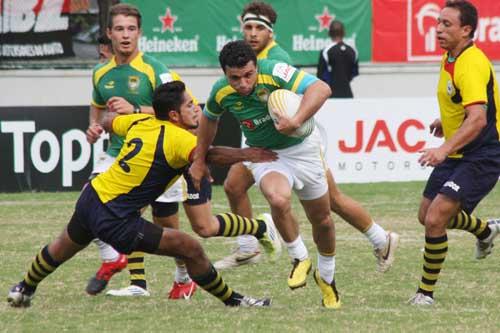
(238, 106)
(251, 124)
(450, 89)
(109, 85)
(133, 83)
(248, 123)
(283, 71)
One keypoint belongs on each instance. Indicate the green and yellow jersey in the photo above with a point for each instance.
(469, 79)
(251, 111)
(274, 52)
(135, 82)
(154, 155)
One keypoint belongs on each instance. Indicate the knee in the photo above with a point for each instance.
(193, 250)
(324, 223)
(279, 201)
(233, 188)
(203, 231)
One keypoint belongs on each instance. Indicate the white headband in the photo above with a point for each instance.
(259, 19)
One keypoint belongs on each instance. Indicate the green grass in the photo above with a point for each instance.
(467, 294)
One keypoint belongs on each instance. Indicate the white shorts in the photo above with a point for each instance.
(176, 193)
(303, 165)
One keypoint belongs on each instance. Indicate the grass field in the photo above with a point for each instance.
(467, 295)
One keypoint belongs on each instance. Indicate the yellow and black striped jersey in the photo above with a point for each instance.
(154, 155)
(469, 79)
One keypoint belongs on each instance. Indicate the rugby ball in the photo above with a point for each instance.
(285, 103)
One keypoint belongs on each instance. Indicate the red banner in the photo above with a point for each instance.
(405, 30)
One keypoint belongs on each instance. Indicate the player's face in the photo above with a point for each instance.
(189, 113)
(124, 35)
(257, 35)
(105, 52)
(242, 79)
(449, 31)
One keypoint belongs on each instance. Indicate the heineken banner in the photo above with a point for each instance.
(406, 30)
(191, 33)
(34, 29)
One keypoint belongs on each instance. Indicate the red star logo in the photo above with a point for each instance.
(167, 21)
(324, 19)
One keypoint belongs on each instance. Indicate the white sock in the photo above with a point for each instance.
(326, 267)
(106, 251)
(181, 273)
(248, 243)
(297, 249)
(377, 236)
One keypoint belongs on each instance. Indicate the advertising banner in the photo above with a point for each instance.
(405, 30)
(375, 140)
(45, 148)
(191, 33)
(34, 29)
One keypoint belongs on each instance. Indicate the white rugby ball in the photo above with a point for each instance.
(286, 103)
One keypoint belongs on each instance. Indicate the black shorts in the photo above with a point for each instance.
(465, 180)
(92, 219)
(164, 209)
(195, 197)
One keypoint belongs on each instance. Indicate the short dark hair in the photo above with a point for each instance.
(468, 13)
(236, 54)
(167, 97)
(260, 8)
(336, 29)
(103, 40)
(126, 10)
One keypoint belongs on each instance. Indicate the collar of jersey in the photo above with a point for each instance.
(263, 54)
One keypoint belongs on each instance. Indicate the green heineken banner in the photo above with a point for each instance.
(191, 33)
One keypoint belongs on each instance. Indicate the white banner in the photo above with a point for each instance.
(376, 140)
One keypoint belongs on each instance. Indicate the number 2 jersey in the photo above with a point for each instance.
(251, 111)
(154, 156)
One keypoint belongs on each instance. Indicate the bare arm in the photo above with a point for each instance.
(206, 134)
(227, 155)
(314, 97)
(94, 130)
(474, 122)
(122, 106)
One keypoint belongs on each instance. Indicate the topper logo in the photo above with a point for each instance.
(428, 10)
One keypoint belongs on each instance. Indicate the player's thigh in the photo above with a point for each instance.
(276, 188)
(166, 214)
(239, 179)
(178, 244)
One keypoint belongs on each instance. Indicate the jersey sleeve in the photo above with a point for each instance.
(472, 81)
(289, 77)
(213, 110)
(97, 99)
(184, 147)
(121, 124)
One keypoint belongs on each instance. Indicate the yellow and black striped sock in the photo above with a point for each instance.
(213, 283)
(231, 225)
(40, 268)
(470, 223)
(435, 252)
(136, 269)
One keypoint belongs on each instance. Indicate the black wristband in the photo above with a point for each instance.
(137, 109)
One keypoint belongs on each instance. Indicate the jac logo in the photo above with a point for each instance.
(381, 137)
(248, 123)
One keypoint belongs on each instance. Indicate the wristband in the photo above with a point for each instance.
(137, 109)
